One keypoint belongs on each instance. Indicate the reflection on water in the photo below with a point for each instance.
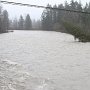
(52, 60)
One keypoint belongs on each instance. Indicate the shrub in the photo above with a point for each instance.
(77, 32)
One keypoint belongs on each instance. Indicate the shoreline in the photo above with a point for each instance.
(7, 31)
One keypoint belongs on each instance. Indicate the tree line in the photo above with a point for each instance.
(66, 21)
(21, 23)
(4, 21)
(7, 24)
(73, 23)
(53, 19)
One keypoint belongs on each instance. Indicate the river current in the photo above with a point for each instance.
(43, 60)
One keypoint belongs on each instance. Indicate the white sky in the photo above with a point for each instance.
(15, 11)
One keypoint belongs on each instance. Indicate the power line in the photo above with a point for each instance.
(37, 6)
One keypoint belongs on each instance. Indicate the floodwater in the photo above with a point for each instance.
(43, 60)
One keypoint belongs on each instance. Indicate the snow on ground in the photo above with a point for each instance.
(53, 60)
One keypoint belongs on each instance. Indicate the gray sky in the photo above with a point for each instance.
(15, 11)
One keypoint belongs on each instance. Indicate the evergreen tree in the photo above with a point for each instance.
(5, 20)
(60, 14)
(55, 18)
(46, 18)
(15, 24)
(36, 24)
(54, 15)
(21, 23)
(0, 19)
(28, 22)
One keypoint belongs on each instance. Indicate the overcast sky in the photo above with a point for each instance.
(15, 11)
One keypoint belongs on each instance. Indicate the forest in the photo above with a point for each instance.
(76, 24)
(7, 24)
(70, 22)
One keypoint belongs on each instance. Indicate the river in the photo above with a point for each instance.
(43, 60)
